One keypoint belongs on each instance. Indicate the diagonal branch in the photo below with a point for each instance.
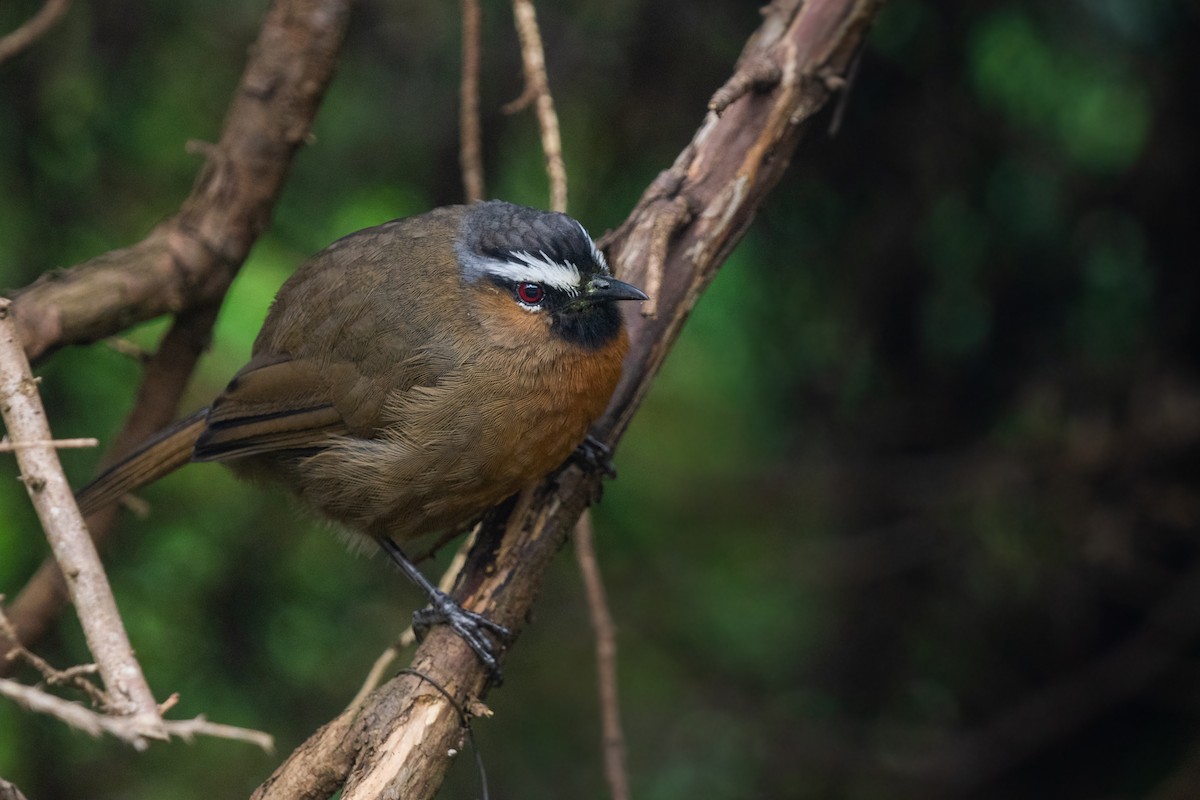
(190, 259)
(41, 472)
(33, 28)
(397, 744)
(164, 379)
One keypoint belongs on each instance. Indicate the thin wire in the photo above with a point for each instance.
(466, 723)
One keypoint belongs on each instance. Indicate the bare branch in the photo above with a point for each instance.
(58, 444)
(33, 29)
(127, 729)
(164, 379)
(537, 90)
(75, 677)
(188, 729)
(47, 486)
(613, 738)
(189, 260)
(471, 131)
(658, 231)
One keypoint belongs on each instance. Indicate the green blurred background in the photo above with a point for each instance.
(912, 509)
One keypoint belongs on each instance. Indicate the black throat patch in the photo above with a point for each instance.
(591, 326)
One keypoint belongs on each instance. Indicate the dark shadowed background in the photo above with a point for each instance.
(912, 511)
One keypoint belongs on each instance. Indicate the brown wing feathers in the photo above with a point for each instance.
(270, 406)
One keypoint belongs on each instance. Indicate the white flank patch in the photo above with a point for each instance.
(528, 268)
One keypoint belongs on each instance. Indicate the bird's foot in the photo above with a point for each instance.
(593, 454)
(471, 627)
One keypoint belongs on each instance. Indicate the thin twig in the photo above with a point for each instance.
(128, 348)
(758, 74)
(408, 637)
(60, 444)
(73, 676)
(127, 729)
(470, 156)
(662, 228)
(51, 495)
(843, 86)
(613, 737)
(33, 29)
(188, 729)
(537, 86)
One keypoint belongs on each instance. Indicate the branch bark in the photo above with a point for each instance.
(126, 689)
(189, 260)
(164, 379)
(683, 228)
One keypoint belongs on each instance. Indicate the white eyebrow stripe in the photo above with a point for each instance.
(527, 268)
(597, 256)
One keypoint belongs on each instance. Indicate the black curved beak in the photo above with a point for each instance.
(603, 288)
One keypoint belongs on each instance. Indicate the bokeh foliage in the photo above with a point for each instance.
(926, 450)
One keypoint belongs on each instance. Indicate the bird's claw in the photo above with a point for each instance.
(595, 455)
(471, 627)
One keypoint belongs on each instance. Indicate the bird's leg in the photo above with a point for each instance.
(471, 627)
(593, 454)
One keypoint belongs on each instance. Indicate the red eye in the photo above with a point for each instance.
(530, 293)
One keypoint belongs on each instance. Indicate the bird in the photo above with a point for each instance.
(413, 375)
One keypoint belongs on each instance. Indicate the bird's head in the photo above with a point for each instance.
(538, 273)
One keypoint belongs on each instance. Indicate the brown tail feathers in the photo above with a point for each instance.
(169, 450)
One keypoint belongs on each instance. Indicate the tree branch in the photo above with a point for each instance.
(537, 91)
(164, 379)
(58, 444)
(41, 472)
(123, 728)
(33, 29)
(189, 260)
(470, 156)
(612, 738)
